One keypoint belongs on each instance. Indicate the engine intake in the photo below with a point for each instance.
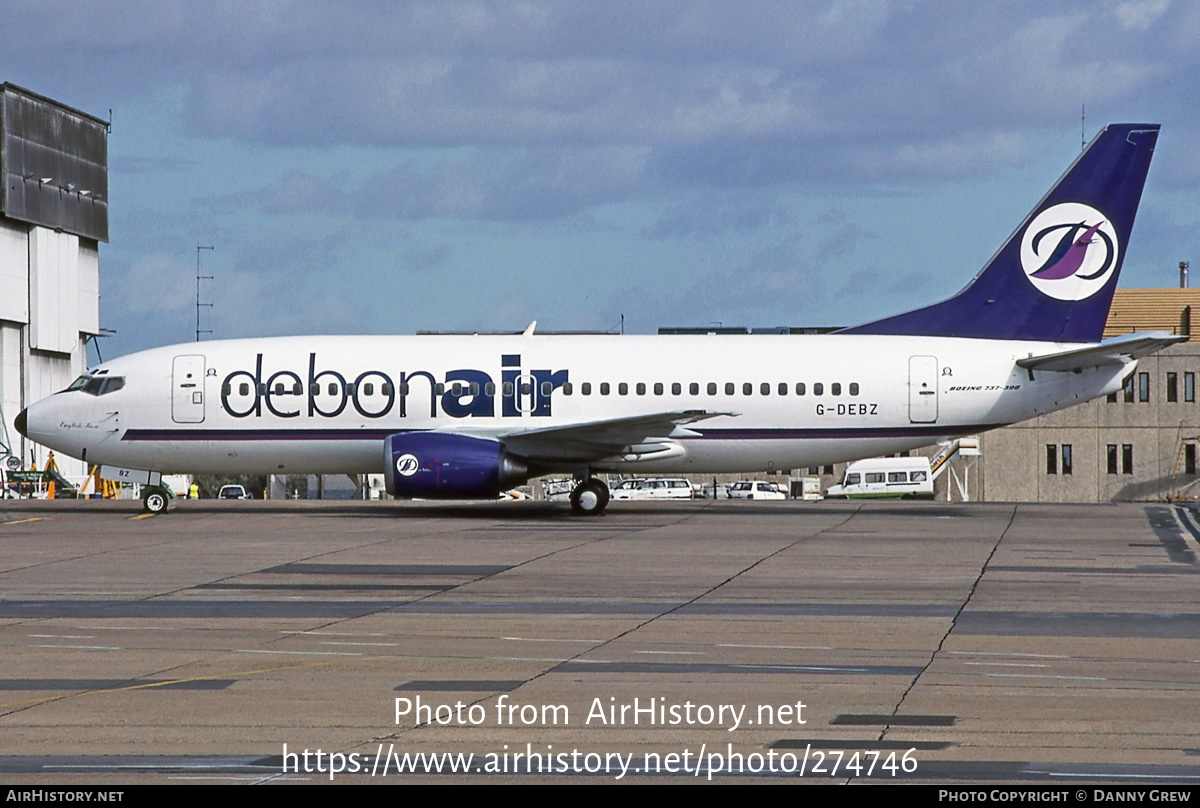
(436, 465)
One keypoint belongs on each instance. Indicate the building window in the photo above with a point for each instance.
(1066, 458)
(1143, 387)
(1189, 458)
(1051, 458)
(1189, 387)
(1127, 458)
(828, 470)
(1172, 387)
(1112, 398)
(1128, 390)
(1112, 458)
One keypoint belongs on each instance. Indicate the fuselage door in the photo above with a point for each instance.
(187, 389)
(922, 389)
(526, 394)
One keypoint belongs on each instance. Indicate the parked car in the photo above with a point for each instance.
(656, 488)
(755, 489)
(233, 492)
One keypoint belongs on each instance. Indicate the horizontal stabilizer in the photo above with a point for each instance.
(1111, 352)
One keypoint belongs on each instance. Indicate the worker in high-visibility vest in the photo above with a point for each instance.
(194, 492)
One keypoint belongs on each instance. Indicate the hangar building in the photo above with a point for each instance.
(53, 215)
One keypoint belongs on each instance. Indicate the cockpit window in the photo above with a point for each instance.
(97, 385)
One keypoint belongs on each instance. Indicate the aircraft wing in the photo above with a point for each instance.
(1115, 352)
(639, 436)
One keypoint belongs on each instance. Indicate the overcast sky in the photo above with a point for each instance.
(394, 166)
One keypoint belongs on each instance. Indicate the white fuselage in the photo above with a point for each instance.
(326, 404)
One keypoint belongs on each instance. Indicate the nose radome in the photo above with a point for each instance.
(21, 423)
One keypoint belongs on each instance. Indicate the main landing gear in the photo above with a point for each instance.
(590, 497)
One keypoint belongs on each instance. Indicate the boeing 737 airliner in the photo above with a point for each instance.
(470, 416)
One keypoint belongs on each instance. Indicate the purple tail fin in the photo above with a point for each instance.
(1053, 280)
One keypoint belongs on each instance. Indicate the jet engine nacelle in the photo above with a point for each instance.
(436, 465)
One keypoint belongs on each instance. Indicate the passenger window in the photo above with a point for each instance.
(836, 388)
(586, 388)
(604, 388)
(567, 388)
(729, 388)
(747, 389)
(658, 388)
(456, 390)
(278, 388)
(508, 388)
(262, 388)
(490, 389)
(875, 477)
(369, 389)
(918, 476)
(351, 389)
(332, 388)
(641, 388)
(439, 389)
(853, 479)
(694, 389)
(799, 388)
(386, 388)
(853, 388)
(403, 388)
(783, 388)
(712, 388)
(547, 388)
(244, 389)
(897, 477)
(765, 388)
(676, 389)
(527, 389)
(472, 388)
(226, 388)
(818, 389)
(623, 389)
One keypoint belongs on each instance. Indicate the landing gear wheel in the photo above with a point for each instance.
(154, 502)
(590, 498)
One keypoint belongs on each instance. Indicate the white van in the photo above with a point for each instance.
(880, 477)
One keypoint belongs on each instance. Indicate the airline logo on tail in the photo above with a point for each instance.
(1069, 251)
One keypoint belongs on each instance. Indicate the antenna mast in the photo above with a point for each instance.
(200, 305)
